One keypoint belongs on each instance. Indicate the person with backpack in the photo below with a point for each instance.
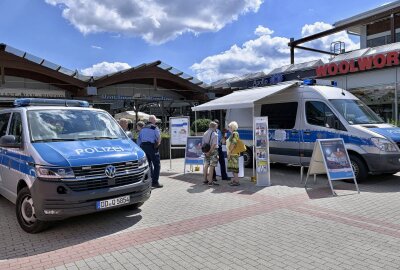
(210, 150)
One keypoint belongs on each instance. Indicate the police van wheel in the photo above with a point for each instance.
(25, 211)
(359, 168)
(248, 158)
(134, 206)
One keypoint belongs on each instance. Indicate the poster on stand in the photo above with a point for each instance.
(179, 130)
(336, 159)
(330, 157)
(193, 153)
(261, 140)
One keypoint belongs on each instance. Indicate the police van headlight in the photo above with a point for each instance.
(384, 145)
(54, 172)
(143, 162)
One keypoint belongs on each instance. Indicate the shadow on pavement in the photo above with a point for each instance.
(283, 175)
(15, 243)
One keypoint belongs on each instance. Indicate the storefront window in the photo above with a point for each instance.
(380, 98)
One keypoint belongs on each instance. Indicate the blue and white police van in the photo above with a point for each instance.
(61, 158)
(299, 113)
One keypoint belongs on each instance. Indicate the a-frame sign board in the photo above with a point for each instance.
(330, 157)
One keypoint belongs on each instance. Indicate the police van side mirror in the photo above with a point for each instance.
(9, 141)
(129, 134)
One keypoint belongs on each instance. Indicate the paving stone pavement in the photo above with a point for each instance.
(188, 225)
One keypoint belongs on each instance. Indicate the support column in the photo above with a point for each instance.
(155, 84)
(392, 29)
(291, 51)
(2, 76)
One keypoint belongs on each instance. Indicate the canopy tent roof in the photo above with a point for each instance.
(243, 98)
(132, 116)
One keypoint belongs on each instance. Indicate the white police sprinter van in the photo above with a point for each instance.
(60, 158)
(303, 112)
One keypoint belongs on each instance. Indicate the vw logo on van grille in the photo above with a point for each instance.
(110, 171)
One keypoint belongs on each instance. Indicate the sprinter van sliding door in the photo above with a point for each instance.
(284, 133)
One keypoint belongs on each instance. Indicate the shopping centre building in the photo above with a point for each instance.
(372, 73)
(154, 88)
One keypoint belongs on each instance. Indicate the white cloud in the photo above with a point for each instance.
(156, 21)
(96, 47)
(104, 68)
(265, 53)
(262, 31)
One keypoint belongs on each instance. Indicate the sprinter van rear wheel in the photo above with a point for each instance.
(25, 210)
(359, 168)
(248, 158)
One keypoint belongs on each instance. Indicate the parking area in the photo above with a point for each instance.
(188, 225)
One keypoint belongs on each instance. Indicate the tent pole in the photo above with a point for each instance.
(254, 144)
(195, 123)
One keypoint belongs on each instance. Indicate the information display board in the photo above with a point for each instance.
(262, 151)
(193, 153)
(179, 130)
(330, 157)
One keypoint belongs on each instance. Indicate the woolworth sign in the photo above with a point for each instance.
(364, 63)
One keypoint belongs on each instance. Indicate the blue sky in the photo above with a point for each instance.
(210, 39)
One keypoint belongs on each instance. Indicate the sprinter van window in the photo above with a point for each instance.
(4, 117)
(280, 115)
(355, 112)
(16, 127)
(319, 114)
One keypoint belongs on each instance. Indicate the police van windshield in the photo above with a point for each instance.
(356, 112)
(72, 125)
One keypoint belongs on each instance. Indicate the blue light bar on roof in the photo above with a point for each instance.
(24, 102)
(319, 82)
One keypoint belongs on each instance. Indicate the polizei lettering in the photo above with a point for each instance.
(105, 149)
(376, 61)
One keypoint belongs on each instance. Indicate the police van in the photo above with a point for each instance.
(61, 158)
(299, 113)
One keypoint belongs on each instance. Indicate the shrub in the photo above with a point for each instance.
(202, 125)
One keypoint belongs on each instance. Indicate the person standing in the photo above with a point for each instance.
(123, 122)
(211, 157)
(149, 140)
(221, 157)
(233, 159)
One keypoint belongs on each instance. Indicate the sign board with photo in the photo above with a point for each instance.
(193, 153)
(330, 157)
(179, 130)
(262, 151)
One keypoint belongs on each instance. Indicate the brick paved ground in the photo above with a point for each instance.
(187, 225)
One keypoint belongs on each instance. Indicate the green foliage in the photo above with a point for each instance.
(392, 122)
(202, 125)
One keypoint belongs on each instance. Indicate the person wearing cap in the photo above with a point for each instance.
(149, 140)
(221, 156)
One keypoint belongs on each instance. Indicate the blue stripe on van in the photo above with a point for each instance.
(17, 162)
(295, 136)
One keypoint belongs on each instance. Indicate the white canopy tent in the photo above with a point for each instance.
(244, 99)
(132, 116)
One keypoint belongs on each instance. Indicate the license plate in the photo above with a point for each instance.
(113, 202)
